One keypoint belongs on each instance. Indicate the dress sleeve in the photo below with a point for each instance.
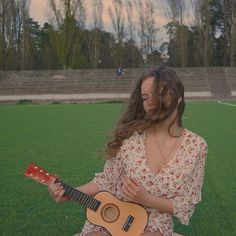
(184, 203)
(111, 174)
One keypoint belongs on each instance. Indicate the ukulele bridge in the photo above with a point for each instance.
(128, 223)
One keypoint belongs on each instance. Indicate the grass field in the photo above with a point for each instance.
(68, 139)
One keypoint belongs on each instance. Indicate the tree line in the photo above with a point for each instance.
(200, 32)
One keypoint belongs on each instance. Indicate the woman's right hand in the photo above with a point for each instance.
(56, 191)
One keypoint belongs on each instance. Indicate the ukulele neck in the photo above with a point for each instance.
(79, 196)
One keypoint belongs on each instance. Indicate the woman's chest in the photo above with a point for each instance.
(170, 177)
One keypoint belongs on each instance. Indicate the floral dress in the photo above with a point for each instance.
(179, 181)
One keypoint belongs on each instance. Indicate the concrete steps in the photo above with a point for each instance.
(218, 81)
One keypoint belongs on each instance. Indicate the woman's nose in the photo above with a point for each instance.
(150, 102)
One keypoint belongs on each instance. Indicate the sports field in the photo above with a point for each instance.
(69, 139)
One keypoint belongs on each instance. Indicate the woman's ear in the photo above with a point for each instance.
(179, 100)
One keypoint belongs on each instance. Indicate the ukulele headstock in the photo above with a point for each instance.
(39, 175)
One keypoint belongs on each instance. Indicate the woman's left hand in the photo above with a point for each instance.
(133, 191)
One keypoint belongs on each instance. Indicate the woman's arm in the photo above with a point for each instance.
(163, 205)
(105, 180)
(135, 192)
(57, 192)
(90, 188)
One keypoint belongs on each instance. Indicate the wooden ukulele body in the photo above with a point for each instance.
(118, 217)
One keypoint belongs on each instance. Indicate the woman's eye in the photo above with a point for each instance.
(144, 98)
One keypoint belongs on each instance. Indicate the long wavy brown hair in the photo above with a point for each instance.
(135, 118)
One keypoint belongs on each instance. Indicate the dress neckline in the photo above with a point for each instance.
(175, 155)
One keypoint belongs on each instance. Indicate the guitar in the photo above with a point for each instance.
(118, 217)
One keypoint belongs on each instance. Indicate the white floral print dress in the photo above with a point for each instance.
(180, 180)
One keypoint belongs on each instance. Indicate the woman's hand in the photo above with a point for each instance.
(56, 191)
(134, 191)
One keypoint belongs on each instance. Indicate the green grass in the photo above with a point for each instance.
(67, 140)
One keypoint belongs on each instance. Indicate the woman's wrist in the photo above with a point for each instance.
(163, 205)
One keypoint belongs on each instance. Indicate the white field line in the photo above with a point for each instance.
(227, 104)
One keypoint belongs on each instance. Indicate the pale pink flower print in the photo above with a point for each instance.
(180, 180)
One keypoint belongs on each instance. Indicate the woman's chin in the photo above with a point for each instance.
(151, 116)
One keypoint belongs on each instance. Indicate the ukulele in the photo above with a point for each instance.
(104, 209)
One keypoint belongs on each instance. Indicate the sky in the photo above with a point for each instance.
(39, 12)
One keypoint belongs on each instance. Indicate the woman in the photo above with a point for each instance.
(152, 159)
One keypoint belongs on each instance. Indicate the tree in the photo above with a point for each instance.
(229, 10)
(93, 37)
(14, 43)
(107, 55)
(178, 32)
(151, 30)
(133, 59)
(204, 27)
(3, 18)
(25, 41)
(117, 18)
(147, 30)
(47, 56)
(69, 19)
(131, 31)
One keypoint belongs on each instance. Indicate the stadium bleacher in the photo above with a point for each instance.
(214, 83)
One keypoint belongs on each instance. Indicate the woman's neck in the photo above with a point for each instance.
(175, 129)
(163, 127)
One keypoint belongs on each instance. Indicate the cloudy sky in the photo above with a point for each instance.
(39, 12)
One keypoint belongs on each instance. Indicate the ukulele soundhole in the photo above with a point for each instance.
(110, 213)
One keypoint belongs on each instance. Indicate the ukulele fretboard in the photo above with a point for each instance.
(80, 197)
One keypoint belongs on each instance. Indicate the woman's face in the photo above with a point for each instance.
(149, 96)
